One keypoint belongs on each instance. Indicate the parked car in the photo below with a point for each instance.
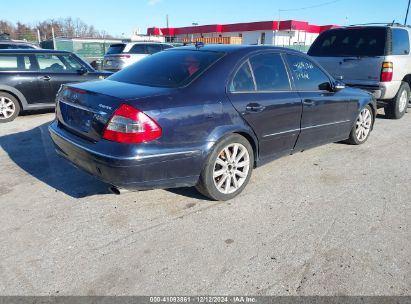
(10, 44)
(30, 79)
(120, 55)
(374, 58)
(205, 116)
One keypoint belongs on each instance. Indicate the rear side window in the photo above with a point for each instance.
(270, 73)
(243, 80)
(307, 76)
(8, 62)
(7, 46)
(359, 41)
(167, 46)
(138, 49)
(115, 49)
(153, 48)
(400, 42)
(16, 63)
(24, 47)
(169, 69)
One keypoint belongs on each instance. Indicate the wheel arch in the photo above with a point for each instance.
(407, 79)
(221, 133)
(16, 93)
(252, 142)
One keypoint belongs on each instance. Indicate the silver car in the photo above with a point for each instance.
(374, 58)
(121, 55)
(10, 44)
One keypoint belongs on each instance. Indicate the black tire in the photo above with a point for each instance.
(207, 184)
(354, 138)
(6, 98)
(394, 109)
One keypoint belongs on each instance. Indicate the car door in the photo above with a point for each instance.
(58, 69)
(261, 92)
(19, 72)
(325, 116)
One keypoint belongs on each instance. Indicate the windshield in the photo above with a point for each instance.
(115, 49)
(170, 69)
(350, 42)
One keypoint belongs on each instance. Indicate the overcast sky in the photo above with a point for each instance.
(124, 16)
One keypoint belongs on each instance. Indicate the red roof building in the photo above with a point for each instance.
(284, 33)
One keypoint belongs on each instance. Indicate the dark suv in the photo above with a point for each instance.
(30, 79)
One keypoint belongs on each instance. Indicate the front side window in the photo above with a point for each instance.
(307, 76)
(57, 63)
(400, 42)
(71, 62)
(270, 73)
(243, 80)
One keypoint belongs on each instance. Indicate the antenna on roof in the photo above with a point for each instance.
(199, 45)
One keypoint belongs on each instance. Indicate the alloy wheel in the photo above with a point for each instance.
(363, 124)
(7, 108)
(403, 101)
(231, 168)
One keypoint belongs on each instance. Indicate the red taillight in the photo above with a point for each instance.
(387, 71)
(131, 126)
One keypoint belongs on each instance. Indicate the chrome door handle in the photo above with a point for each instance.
(309, 102)
(254, 107)
(46, 78)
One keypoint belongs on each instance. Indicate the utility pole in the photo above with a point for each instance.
(167, 21)
(406, 16)
(54, 38)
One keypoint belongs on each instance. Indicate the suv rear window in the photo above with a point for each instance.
(368, 41)
(169, 69)
(115, 49)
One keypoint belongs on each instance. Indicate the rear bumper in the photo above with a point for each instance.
(382, 91)
(167, 169)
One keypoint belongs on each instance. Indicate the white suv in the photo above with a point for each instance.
(373, 58)
(121, 55)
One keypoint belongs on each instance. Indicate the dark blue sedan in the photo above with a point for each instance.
(205, 116)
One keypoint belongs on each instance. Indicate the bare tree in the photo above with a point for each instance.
(63, 27)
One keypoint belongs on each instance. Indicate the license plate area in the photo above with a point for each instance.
(76, 118)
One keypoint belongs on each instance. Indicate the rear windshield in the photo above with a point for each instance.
(350, 42)
(115, 49)
(170, 69)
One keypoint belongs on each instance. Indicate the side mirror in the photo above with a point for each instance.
(82, 71)
(338, 86)
(326, 86)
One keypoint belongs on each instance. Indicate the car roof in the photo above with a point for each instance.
(231, 48)
(368, 26)
(28, 51)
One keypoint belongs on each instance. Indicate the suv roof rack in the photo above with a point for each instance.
(393, 23)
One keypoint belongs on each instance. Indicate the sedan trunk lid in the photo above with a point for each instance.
(85, 109)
